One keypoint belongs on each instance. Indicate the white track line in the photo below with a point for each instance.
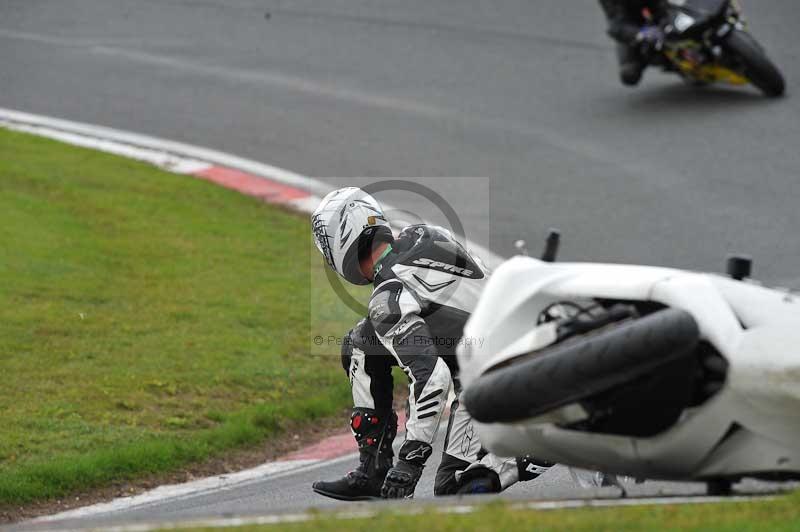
(48, 127)
(179, 157)
(180, 491)
(269, 470)
(404, 509)
(162, 159)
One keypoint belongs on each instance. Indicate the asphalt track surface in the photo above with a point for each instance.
(521, 94)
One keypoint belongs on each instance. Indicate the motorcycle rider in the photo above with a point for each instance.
(425, 286)
(632, 24)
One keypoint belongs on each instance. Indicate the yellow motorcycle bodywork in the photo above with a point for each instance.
(704, 73)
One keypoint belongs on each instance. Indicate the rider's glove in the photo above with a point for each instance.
(651, 37)
(401, 480)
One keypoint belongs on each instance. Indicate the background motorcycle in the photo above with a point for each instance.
(634, 370)
(706, 41)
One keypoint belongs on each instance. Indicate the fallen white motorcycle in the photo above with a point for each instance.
(648, 372)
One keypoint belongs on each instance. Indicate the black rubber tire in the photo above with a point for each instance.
(581, 367)
(757, 67)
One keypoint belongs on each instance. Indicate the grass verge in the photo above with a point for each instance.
(148, 320)
(779, 514)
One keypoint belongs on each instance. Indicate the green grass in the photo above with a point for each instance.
(781, 514)
(148, 320)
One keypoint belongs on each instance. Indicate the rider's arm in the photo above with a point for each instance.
(395, 314)
(620, 27)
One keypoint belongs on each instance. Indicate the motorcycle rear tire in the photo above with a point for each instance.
(582, 367)
(758, 68)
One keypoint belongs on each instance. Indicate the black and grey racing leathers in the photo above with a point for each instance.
(425, 289)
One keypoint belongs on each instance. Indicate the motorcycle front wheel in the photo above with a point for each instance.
(582, 367)
(756, 66)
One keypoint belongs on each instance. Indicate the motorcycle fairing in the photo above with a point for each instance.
(700, 9)
(752, 424)
(688, 22)
(704, 73)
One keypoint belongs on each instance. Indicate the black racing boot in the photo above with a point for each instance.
(477, 480)
(631, 73)
(374, 434)
(530, 468)
(631, 64)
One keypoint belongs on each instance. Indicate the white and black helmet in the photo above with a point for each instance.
(345, 225)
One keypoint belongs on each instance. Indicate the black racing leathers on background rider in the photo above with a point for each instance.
(625, 22)
(625, 17)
